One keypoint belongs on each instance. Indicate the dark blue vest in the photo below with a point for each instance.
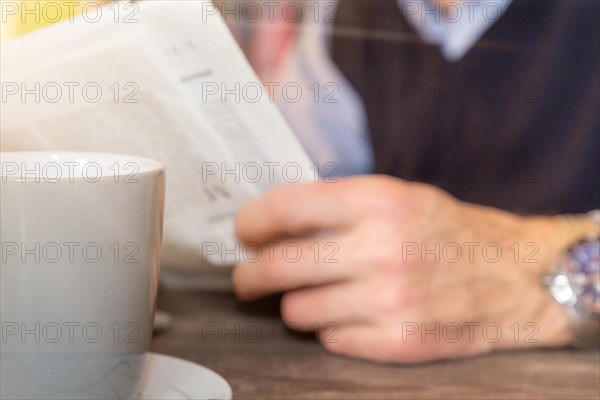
(514, 124)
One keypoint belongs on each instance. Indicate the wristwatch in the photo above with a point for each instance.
(575, 283)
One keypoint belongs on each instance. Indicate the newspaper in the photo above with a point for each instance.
(164, 80)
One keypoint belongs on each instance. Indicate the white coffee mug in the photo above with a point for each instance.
(80, 239)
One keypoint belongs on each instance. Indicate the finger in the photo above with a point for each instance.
(396, 343)
(299, 209)
(372, 342)
(338, 303)
(288, 265)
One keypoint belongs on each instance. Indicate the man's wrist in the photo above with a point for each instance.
(576, 228)
(559, 233)
(574, 281)
(554, 236)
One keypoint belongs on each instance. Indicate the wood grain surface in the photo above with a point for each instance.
(249, 346)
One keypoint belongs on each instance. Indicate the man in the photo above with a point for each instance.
(484, 136)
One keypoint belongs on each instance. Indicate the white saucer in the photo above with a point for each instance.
(171, 378)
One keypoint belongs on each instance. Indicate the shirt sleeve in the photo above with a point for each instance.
(329, 117)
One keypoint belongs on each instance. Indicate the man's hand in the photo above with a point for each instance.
(402, 272)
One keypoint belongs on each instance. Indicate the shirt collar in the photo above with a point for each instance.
(457, 33)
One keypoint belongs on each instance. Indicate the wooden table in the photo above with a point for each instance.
(249, 346)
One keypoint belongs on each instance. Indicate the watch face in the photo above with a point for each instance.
(583, 269)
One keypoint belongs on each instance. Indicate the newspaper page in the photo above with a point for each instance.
(160, 79)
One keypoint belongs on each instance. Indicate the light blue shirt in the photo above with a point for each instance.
(331, 122)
